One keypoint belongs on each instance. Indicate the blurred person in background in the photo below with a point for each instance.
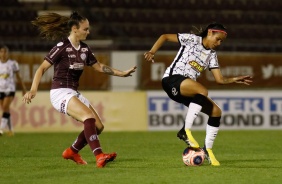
(196, 54)
(8, 70)
(69, 58)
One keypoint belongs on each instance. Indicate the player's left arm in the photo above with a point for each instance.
(100, 67)
(220, 79)
(20, 81)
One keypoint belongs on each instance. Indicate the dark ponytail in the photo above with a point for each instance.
(215, 26)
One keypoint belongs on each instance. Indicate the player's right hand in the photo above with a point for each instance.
(28, 96)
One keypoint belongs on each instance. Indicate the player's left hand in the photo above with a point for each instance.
(149, 56)
(28, 96)
(243, 79)
(128, 73)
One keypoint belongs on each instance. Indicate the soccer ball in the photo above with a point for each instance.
(193, 156)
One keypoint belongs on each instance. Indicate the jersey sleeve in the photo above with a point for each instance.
(91, 58)
(213, 62)
(55, 54)
(15, 66)
(185, 38)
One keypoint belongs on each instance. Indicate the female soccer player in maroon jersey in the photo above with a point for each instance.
(196, 53)
(69, 58)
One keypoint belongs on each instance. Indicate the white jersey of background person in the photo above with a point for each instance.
(7, 77)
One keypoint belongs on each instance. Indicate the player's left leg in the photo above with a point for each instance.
(211, 133)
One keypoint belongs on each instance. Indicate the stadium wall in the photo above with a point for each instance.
(151, 111)
(265, 68)
(137, 103)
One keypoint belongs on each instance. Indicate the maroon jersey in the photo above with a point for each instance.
(69, 63)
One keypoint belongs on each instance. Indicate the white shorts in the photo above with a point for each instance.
(61, 97)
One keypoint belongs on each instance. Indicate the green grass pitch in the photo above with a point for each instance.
(250, 157)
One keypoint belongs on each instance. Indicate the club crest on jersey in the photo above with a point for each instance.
(174, 91)
(83, 56)
(93, 137)
(77, 66)
(196, 66)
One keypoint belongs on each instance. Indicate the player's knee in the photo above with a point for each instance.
(216, 111)
(88, 115)
(204, 92)
(200, 99)
(100, 129)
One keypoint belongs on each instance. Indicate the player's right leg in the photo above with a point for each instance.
(70, 154)
(191, 88)
(6, 124)
(182, 90)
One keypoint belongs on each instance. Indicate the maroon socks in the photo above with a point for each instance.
(79, 143)
(91, 136)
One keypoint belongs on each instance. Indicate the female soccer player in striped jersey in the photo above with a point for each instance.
(196, 53)
(8, 70)
(69, 58)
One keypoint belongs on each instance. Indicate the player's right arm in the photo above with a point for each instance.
(36, 80)
(149, 56)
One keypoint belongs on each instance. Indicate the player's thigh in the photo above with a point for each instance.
(99, 124)
(189, 87)
(79, 110)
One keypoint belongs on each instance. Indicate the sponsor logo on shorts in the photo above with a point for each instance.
(63, 104)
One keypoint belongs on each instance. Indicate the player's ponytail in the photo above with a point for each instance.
(214, 26)
(53, 26)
